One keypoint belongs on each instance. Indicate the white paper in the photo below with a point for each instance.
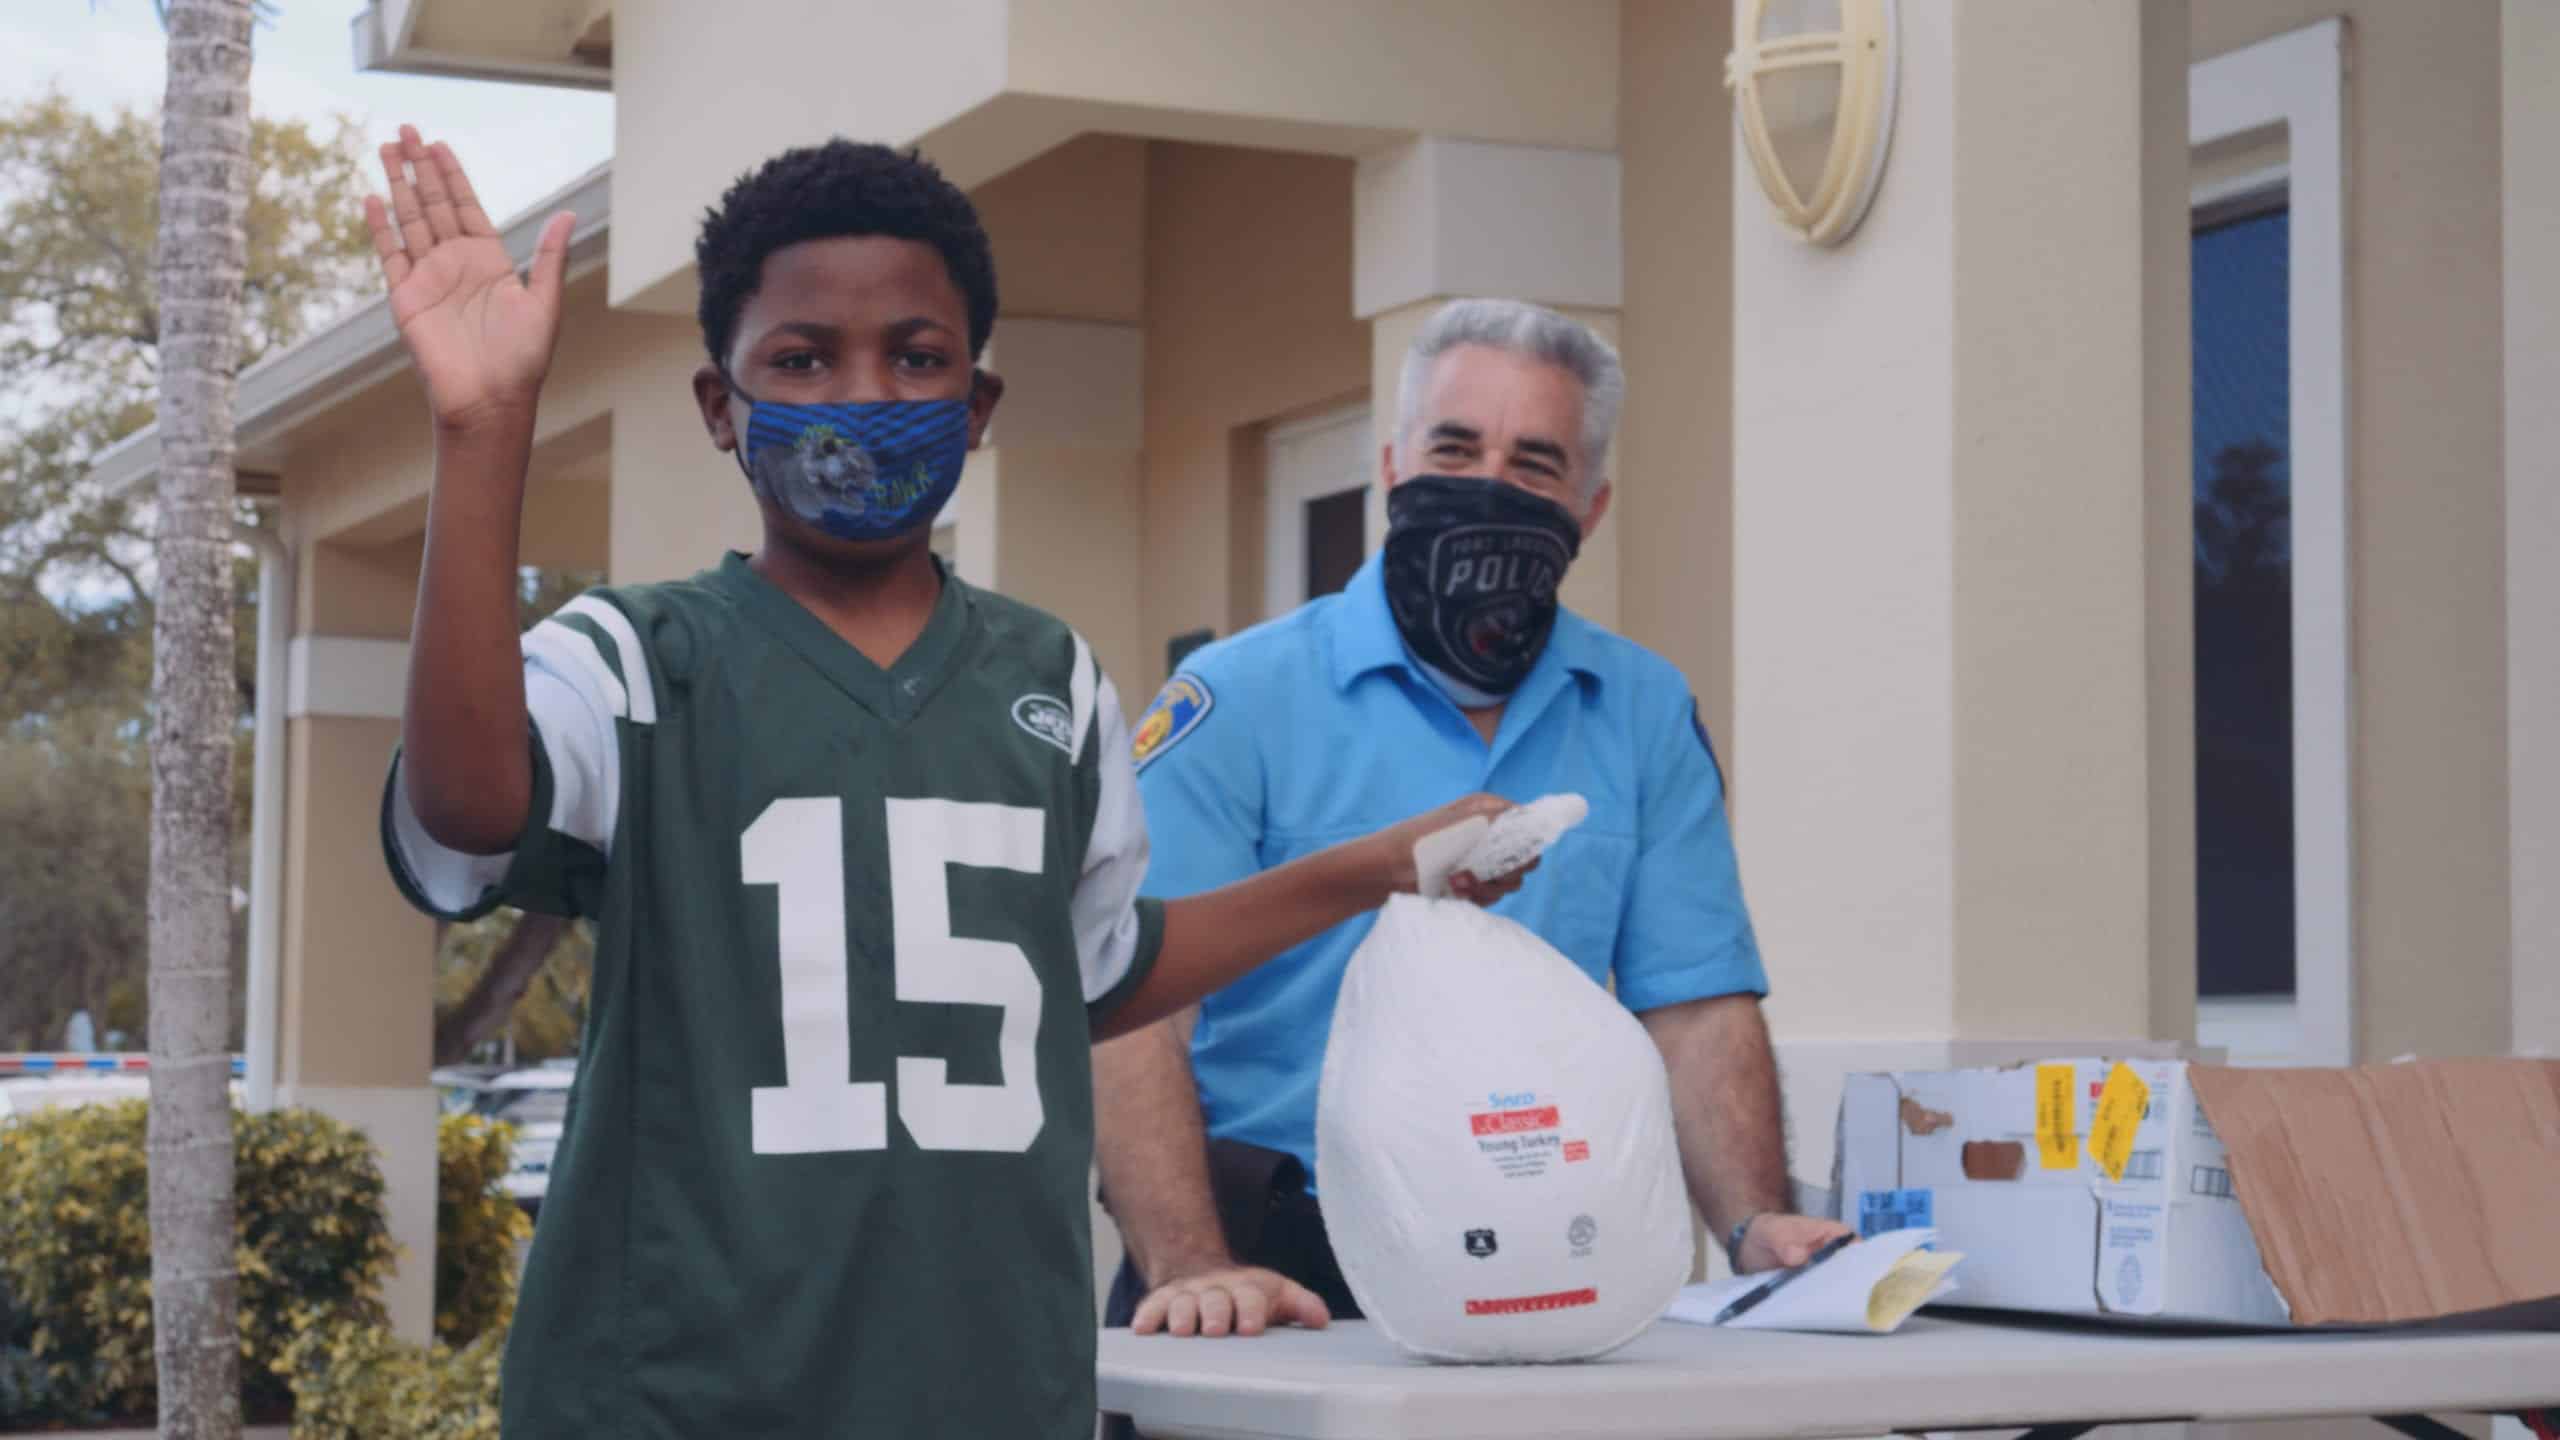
(1833, 1296)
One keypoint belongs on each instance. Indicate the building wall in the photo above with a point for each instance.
(1248, 321)
(1070, 232)
(2531, 91)
(985, 85)
(678, 504)
(1070, 235)
(1673, 506)
(1537, 69)
(1858, 931)
(2062, 438)
(361, 469)
(2427, 509)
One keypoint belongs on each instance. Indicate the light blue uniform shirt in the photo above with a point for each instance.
(1318, 727)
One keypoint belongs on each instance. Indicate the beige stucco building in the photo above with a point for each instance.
(1913, 512)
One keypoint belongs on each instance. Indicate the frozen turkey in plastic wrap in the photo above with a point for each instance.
(1494, 1145)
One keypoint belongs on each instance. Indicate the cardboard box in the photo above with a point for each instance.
(2164, 1192)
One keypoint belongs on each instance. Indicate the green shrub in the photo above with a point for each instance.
(352, 1380)
(355, 1382)
(478, 1226)
(75, 1250)
(27, 1389)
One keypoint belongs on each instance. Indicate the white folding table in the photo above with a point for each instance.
(1685, 1382)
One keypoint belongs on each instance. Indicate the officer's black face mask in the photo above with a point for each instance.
(1472, 567)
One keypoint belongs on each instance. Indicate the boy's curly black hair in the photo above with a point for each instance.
(840, 188)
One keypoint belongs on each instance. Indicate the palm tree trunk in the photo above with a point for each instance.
(203, 254)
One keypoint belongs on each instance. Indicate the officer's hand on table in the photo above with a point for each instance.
(1777, 1242)
(1239, 1300)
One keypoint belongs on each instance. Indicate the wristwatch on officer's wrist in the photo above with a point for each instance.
(1733, 1239)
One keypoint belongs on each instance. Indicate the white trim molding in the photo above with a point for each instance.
(1287, 491)
(2296, 83)
(2250, 1029)
(2530, 39)
(344, 677)
(1438, 217)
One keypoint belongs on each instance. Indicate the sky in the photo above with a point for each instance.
(519, 142)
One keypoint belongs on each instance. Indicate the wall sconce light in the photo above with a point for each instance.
(1813, 84)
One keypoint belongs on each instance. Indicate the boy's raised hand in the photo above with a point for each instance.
(481, 334)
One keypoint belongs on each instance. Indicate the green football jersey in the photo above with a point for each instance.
(825, 1166)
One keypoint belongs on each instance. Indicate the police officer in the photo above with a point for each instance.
(1445, 666)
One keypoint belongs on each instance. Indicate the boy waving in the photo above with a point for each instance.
(861, 843)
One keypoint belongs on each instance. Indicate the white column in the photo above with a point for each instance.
(358, 963)
(2531, 51)
(1056, 508)
(1960, 664)
(1436, 219)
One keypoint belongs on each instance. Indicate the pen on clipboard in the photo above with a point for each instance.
(1753, 1297)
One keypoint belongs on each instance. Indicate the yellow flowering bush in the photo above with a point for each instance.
(355, 1382)
(75, 1275)
(75, 1251)
(478, 1226)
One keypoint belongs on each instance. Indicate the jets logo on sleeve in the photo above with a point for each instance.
(1178, 709)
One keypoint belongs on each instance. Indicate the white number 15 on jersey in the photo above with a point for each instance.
(797, 846)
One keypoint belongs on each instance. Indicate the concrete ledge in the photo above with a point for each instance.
(1447, 217)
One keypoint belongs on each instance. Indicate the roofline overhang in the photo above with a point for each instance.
(358, 350)
(387, 43)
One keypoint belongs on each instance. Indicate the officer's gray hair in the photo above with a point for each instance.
(1538, 333)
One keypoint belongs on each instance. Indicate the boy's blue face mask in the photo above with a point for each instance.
(868, 471)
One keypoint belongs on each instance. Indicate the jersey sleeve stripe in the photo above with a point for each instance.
(627, 648)
(573, 654)
(1147, 920)
(454, 885)
(1080, 697)
(1108, 929)
(586, 757)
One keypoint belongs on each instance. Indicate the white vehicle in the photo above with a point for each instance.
(25, 1095)
(535, 1102)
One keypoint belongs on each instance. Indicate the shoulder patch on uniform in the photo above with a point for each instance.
(1045, 717)
(1178, 709)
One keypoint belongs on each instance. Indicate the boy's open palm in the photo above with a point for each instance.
(481, 334)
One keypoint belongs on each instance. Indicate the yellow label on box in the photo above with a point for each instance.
(2120, 1108)
(2057, 1137)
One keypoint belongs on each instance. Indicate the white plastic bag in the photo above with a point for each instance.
(1494, 1145)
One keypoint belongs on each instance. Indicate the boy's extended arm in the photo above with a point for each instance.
(482, 339)
(1213, 939)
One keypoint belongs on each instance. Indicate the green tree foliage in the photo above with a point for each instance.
(79, 369)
